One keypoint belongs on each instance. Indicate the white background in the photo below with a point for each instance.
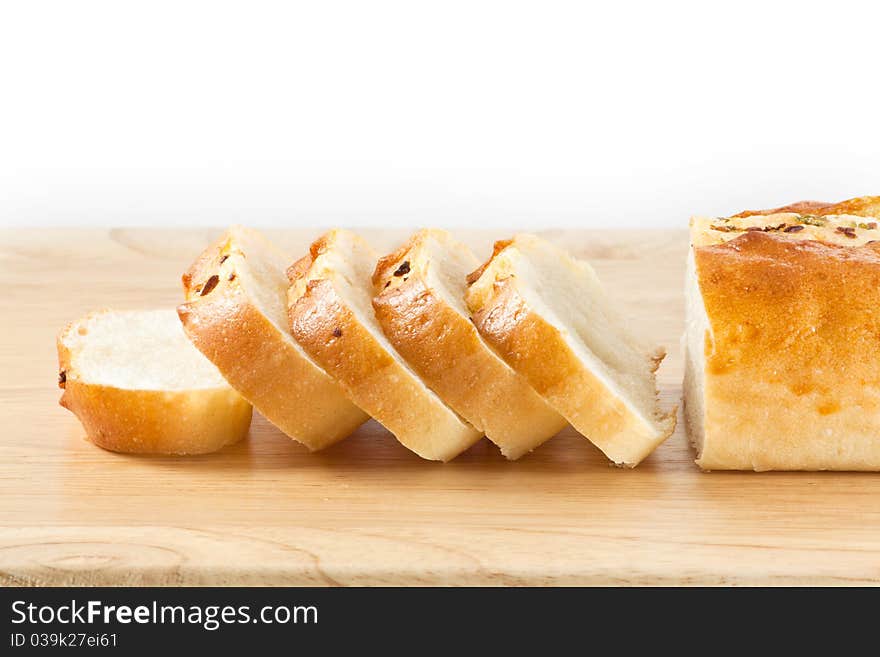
(469, 113)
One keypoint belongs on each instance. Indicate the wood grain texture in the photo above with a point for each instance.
(367, 511)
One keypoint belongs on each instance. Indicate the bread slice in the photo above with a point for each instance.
(420, 306)
(546, 314)
(139, 386)
(331, 316)
(782, 367)
(236, 314)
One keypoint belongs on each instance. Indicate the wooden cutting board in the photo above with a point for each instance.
(367, 511)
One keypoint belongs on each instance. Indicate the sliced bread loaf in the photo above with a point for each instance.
(420, 306)
(139, 386)
(547, 315)
(331, 316)
(236, 315)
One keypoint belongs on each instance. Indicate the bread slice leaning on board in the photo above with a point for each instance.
(420, 306)
(331, 316)
(236, 314)
(782, 367)
(138, 386)
(547, 315)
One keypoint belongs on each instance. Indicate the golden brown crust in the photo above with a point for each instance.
(446, 351)
(792, 372)
(325, 327)
(158, 421)
(260, 361)
(539, 352)
(333, 336)
(863, 206)
(801, 207)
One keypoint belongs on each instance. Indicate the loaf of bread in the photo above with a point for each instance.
(547, 315)
(783, 338)
(139, 386)
(236, 314)
(420, 305)
(331, 316)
